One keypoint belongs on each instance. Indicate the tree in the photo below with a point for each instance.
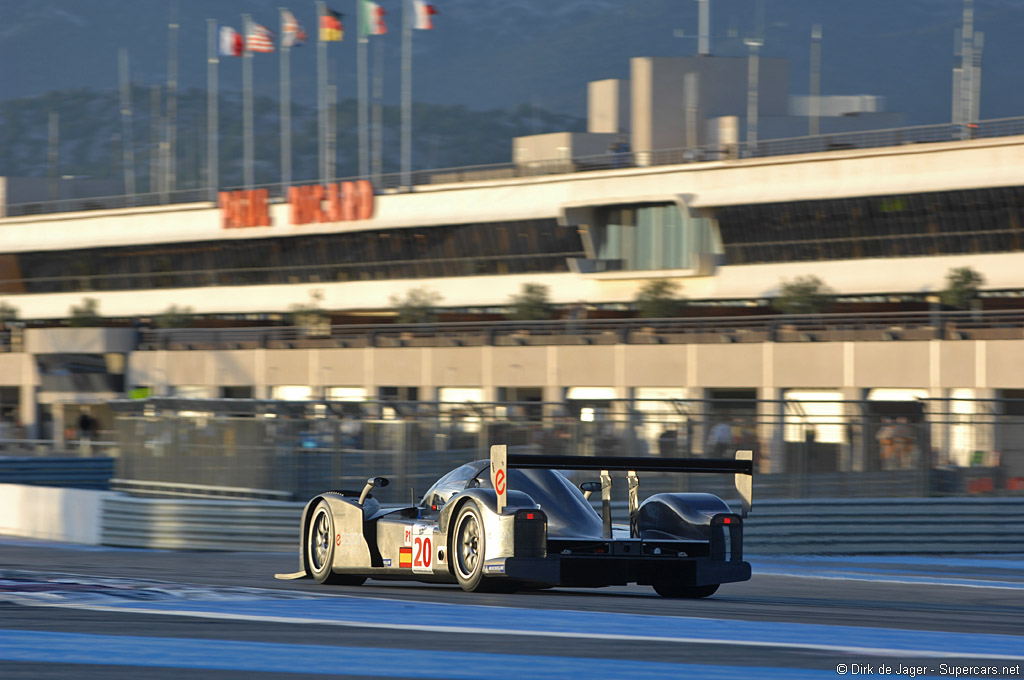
(658, 298)
(174, 317)
(962, 286)
(309, 316)
(85, 314)
(417, 306)
(803, 295)
(531, 304)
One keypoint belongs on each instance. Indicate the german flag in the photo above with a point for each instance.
(331, 28)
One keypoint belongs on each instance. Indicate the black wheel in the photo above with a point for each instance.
(677, 590)
(320, 548)
(467, 549)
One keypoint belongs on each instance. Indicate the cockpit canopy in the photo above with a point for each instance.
(568, 513)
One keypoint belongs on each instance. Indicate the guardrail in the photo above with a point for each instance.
(880, 526)
(190, 524)
(144, 488)
(394, 182)
(888, 326)
(826, 526)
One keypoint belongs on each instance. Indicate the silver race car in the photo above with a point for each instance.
(517, 522)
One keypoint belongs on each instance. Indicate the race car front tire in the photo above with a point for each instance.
(320, 549)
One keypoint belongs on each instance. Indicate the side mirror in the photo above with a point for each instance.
(589, 487)
(370, 483)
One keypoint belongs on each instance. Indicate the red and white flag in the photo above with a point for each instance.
(292, 34)
(424, 11)
(260, 39)
(230, 42)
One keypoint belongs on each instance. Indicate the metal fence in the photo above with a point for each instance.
(802, 448)
(395, 182)
(762, 327)
(889, 326)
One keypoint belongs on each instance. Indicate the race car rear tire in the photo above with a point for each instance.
(676, 590)
(467, 548)
(320, 549)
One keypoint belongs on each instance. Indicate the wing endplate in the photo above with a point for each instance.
(745, 481)
(499, 474)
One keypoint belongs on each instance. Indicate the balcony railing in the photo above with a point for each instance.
(394, 182)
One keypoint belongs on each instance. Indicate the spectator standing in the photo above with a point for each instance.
(668, 442)
(720, 440)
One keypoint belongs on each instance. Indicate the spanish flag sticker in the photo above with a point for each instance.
(405, 557)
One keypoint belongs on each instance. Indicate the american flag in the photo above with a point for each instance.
(291, 30)
(259, 39)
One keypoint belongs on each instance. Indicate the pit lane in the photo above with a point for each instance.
(118, 613)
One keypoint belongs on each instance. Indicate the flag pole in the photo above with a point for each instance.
(330, 169)
(286, 110)
(407, 93)
(127, 142)
(54, 155)
(170, 160)
(247, 157)
(378, 95)
(155, 122)
(212, 61)
(362, 76)
(321, 91)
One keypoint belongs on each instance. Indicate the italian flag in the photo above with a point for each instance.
(373, 19)
(424, 10)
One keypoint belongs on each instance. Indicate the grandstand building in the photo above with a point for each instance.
(874, 215)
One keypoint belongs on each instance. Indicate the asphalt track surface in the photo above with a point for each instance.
(78, 612)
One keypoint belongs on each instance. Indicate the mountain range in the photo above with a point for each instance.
(502, 54)
(490, 70)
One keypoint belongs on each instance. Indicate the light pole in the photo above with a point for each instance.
(814, 102)
(752, 84)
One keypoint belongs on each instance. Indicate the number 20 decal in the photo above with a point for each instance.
(422, 548)
(422, 553)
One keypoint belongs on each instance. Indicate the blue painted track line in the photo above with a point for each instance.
(887, 576)
(78, 648)
(488, 620)
(1012, 561)
(1004, 573)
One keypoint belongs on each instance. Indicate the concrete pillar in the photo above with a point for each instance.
(986, 433)
(28, 411)
(770, 430)
(939, 424)
(852, 456)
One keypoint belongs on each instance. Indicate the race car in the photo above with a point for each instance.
(517, 522)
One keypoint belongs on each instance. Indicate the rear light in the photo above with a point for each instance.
(530, 534)
(726, 537)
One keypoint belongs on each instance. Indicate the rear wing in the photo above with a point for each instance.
(742, 467)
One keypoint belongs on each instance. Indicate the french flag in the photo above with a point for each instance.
(230, 42)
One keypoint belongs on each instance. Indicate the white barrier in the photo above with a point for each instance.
(52, 513)
(835, 526)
